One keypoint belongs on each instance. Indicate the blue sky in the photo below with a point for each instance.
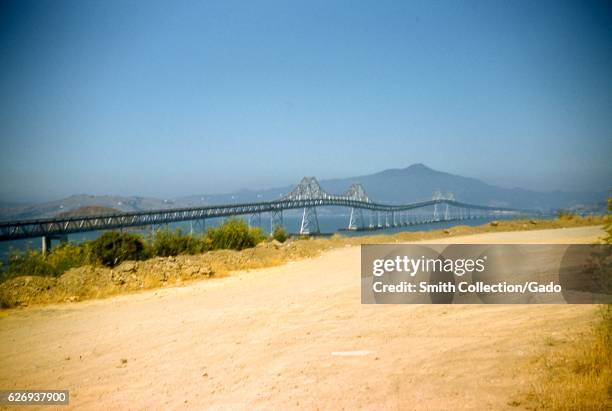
(173, 98)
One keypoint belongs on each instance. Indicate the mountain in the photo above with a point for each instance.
(418, 183)
(414, 183)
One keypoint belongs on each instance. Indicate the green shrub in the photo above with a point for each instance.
(167, 243)
(279, 234)
(27, 262)
(234, 234)
(68, 255)
(54, 263)
(112, 247)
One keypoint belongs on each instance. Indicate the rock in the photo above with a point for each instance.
(494, 223)
(118, 278)
(127, 267)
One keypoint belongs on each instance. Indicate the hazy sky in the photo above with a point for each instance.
(173, 98)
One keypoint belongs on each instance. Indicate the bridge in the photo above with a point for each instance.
(307, 195)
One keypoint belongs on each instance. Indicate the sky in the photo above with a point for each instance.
(173, 98)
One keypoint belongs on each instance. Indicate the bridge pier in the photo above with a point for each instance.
(310, 221)
(46, 242)
(255, 220)
(276, 219)
(356, 220)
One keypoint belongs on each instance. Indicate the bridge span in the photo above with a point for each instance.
(308, 195)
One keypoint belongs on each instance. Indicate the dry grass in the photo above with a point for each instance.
(576, 374)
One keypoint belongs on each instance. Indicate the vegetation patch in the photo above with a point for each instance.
(280, 234)
(576, 374)
(112, 248)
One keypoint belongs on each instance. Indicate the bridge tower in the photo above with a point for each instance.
(357, 193)
(437, 196)
(449, 196)
(308, 189)
(310, 221)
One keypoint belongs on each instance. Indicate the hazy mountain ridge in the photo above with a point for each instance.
(418, 183)
(68, 204)
(414, 183)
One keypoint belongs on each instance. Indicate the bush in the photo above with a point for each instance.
(27, 262)
(167, 243)
(69, 255)
(54, 263)
(279, 234)
(234, 234)
(112, 247)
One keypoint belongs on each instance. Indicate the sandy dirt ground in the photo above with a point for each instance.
(294, 336)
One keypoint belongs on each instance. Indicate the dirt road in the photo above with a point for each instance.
(284, 337)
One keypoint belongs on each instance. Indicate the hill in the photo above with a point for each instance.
(68, 204)
(88, 210)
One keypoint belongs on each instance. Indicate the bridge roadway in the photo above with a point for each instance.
(60, 227)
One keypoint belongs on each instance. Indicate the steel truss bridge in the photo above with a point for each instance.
(308, 195)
